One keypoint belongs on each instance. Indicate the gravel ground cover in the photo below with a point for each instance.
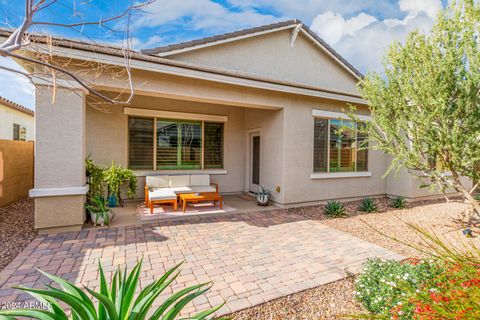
(330, 301)
(16, 229)
(335, 300)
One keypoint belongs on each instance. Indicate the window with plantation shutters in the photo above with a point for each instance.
(168, 144)
(213, 140)
(339, 147)
(140, 142)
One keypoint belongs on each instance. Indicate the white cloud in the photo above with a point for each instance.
(363, 39)
(16, 87)
(413, 7)
(199, 14)
(306, 10)
(333, 26)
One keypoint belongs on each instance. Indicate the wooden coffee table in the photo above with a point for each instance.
(202, 197)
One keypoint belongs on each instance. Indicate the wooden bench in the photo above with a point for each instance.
(194, 198)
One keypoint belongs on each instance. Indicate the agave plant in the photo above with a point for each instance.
(117, 301)
(335, 209)
(368, 205)
(399, 202)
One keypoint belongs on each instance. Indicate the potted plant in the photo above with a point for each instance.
(263, 197)
(114, 177)
(99, 211)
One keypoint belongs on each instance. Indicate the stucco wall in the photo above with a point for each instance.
(107, 135)
(272, 55)
(9, 116)
(271, 127)
(299, 186)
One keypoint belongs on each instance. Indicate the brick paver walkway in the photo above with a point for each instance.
(251, 258)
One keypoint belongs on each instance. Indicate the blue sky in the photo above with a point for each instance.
(359, 29)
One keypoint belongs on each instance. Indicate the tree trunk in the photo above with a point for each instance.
(475, 219)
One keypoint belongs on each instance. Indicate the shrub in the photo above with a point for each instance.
(368, 205)
(115, 176)
(399, 203)
(385, 285)
(95, 181)
(335, 209)
(115, 301)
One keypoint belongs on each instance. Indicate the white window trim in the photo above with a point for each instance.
(337, 115)
(173, 115)
(335, 175)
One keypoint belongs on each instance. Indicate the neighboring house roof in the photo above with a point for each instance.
(15, 106)
(139, 56)
(241, 34)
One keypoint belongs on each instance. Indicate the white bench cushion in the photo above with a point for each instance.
(180, 190)
(199, 180)
(203, 189)
(162, 194)
(179, 181)
(157, 181)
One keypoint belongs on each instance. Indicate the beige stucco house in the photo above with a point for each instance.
(254, 107)
(16, 121)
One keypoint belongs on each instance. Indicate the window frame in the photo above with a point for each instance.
(339, 173)
(177, 120)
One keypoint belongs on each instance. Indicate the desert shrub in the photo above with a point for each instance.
(335, 209)
(383, 286)
(368, 205)
(399, 203)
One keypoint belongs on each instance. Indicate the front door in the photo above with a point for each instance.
(254, 185)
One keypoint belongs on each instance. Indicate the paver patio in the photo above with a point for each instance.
(251, 258)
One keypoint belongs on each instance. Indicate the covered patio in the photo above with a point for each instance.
(135, 212)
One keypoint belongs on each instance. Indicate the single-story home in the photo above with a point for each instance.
(16, 121)
(257, 107)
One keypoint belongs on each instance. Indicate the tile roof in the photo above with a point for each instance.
(140, 56)
(16, 106)
(244, 32)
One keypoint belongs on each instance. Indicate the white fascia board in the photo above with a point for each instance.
(337, 115)
(202, 75)
(173, 115)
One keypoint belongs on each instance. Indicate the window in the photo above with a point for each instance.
(166, 144)
(336, 147)
(19, 132)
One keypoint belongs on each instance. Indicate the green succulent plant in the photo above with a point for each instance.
(399, 203)
(368, 205)
(335, 209)
(116, 301)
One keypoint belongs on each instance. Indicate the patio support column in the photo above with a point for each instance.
(60, 184)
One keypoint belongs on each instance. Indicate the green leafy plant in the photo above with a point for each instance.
(116, 301)
(99, 210)
(335, 209)
(95, 176)
(446, 287)
(399, 203)
(368, 205)
(115, 176)
(386, 285)
(424, 105)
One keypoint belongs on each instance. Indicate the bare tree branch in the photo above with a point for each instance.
(19, 39)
